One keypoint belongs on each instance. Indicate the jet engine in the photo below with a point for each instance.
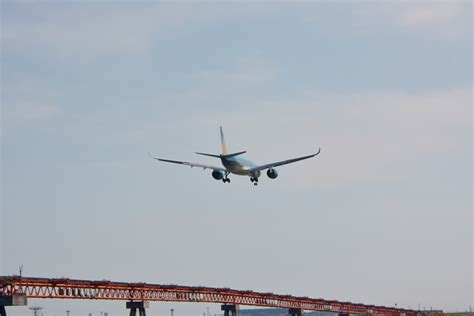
(218, 175)
(272, 173)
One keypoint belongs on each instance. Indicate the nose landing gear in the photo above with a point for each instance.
(254, 180)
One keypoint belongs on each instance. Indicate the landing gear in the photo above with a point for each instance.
(226, 178)
(254, 180)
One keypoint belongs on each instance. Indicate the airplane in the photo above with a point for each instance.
(237, 165)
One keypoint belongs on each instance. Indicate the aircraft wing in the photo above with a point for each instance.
(283, 162)
(191, 164)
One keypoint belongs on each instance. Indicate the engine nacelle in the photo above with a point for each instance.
(218, 175)
(272, 173)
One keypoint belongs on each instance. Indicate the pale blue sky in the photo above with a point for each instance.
(382, 216)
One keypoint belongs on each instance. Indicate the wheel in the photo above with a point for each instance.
(228, 180)
(255, 183)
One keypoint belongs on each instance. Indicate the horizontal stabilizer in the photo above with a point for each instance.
(210, 155)
(234, 154)
(222, 156)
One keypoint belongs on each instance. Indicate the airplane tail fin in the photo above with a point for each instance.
(224, 148)
(225, 153)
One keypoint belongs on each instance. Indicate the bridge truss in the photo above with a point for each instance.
(107, 290)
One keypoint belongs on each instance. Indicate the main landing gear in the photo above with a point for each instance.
(226, 178)
(254, 180)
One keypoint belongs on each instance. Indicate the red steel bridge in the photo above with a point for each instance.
(14, 290)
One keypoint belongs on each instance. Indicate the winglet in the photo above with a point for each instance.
(149, 155)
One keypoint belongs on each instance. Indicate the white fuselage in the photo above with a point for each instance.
(240, 166)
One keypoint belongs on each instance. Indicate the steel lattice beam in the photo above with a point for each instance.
(107, 290)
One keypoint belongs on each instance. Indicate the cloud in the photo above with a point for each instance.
(94, 30)
(430, 13)
(443, 18)
(81, 35)
(435, 19)
(91, 31)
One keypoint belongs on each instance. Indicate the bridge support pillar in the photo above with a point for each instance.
(138, 306)
(11, 300)
(295, 311)
(230, 310)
